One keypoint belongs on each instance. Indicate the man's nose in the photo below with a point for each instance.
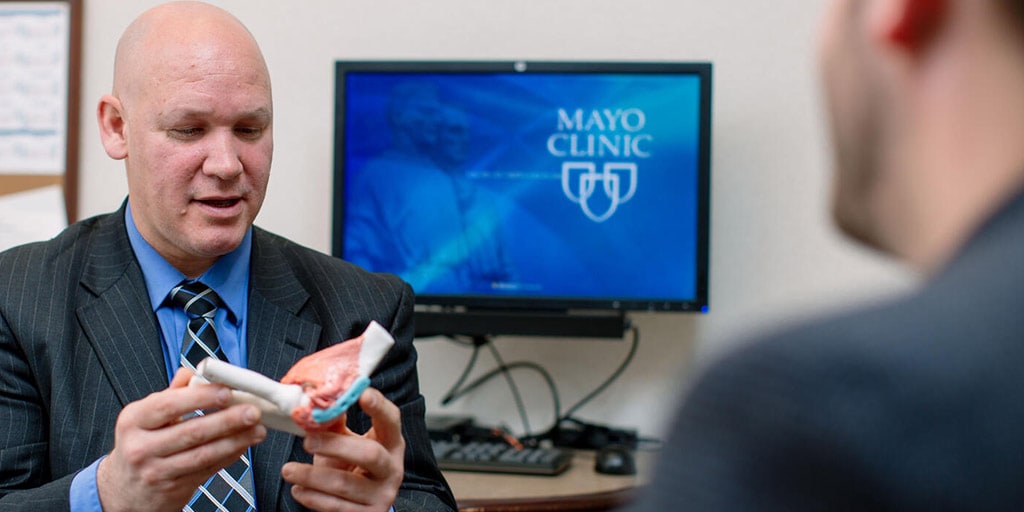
(222, 158)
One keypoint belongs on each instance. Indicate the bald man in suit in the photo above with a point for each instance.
(91, 397)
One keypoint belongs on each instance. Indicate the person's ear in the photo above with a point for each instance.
(110, 116)
(912, 24)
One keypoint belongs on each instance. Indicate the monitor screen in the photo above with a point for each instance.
(527, 185)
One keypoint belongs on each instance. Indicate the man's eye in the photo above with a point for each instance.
(249, 132)
(186, 133)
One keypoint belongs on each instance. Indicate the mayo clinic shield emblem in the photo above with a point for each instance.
(618, 183)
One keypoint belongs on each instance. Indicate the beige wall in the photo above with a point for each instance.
(774, 259)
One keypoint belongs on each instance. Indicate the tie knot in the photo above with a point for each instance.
(195, 298)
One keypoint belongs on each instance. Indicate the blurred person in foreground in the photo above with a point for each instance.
(916, 403)
(90, 340)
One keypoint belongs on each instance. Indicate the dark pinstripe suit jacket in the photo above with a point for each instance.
(79, 340)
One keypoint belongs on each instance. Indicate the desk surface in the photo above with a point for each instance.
(579, 488)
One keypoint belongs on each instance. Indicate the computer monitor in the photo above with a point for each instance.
(517, 196)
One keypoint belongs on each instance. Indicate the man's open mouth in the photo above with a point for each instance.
(221, 203)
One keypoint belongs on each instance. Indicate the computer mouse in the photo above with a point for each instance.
(615, 460)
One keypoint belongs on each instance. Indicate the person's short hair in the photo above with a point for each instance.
(1015, 9)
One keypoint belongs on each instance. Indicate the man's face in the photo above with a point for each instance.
(452, 138)
(199, 151)
(420, 120)
(855, 104)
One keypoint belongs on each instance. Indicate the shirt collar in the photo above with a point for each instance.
(229, 275)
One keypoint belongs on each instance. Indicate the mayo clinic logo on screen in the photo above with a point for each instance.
(601, 147)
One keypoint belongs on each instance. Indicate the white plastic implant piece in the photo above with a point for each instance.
(285, 396)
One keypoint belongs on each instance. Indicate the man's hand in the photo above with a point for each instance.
(159, 460)
(352, 472)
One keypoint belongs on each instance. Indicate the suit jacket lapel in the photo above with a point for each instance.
(277, 338)
(276, 299)
(118, 321)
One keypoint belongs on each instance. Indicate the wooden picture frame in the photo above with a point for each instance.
(39, 97)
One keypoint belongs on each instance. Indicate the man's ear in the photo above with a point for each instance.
(110, 116)
(912, 24)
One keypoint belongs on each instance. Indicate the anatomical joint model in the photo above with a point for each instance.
(315, 393)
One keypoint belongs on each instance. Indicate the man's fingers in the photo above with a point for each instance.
(231, 424)
(181, 377)
(157, 454)
(166, 407)
(315, 485)
(379, 453)
(218, 452)
(386, 419)
(350, 469)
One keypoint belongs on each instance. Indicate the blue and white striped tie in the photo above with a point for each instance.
(230, 489)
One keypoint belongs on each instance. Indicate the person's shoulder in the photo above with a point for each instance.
(905, 388)
(869, 336)
(73, 239)
(43, 267)
(921, 352)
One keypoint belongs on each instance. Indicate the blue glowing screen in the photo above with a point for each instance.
(582, 187)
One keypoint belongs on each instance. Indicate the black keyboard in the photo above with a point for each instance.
(499, 457)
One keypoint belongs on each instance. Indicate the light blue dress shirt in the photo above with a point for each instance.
(229, 277)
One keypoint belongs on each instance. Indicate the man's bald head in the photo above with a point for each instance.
(171, 37)
(191, 115)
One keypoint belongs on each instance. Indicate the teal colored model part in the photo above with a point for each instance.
(342, 404)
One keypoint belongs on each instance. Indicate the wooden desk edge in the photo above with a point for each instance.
(584, 502)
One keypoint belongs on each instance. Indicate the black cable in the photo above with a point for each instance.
(454, 392)
(615, 375)
(512, 366)
(512, 386)
(458, 390)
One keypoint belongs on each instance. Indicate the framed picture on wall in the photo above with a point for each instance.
(39, 102)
